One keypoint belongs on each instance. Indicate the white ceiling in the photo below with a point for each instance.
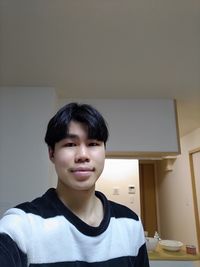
(106, 49)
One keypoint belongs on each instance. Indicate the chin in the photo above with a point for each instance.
(86, 187)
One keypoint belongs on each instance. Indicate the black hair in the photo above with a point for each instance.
(57, 128)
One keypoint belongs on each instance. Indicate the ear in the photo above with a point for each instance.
(51, 154)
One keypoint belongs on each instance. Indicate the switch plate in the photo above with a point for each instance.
(131, 189)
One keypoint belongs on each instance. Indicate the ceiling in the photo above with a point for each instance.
(105, 49)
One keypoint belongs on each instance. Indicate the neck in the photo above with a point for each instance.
(83, 203)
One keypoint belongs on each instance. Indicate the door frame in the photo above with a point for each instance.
(153, 164)
(194, 193)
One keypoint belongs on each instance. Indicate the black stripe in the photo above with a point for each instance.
(10, 254)
(49, 205)
(117, 262)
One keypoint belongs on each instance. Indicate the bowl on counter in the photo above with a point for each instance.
(151, 243)
(171, 245)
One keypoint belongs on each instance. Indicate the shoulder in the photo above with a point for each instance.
(121, 211)
(16, 222)
(19, 214)
(41, 206)
(125, 223)
(117, 210)
(15, 225)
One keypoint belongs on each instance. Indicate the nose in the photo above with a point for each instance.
(82, 154)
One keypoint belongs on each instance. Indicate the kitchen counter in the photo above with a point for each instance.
(162, 258)
(161, 254)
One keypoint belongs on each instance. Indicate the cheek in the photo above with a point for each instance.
(100, 159)
(100, 168)
(102, 162)
(61, 159)
(61, 166)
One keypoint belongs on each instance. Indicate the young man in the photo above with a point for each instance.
(73, 225)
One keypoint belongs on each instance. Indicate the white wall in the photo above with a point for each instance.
(24, 163)
(118, 174)
(138, 125)
(175, 195)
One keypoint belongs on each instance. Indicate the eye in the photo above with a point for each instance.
(69, 144)
(94, 143)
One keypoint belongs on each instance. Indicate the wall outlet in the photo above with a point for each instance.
(116, 191)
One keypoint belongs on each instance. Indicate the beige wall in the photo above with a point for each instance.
(175, 200)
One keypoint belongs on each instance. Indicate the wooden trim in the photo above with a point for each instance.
(194, 150)
(139, 154)
(196, 213)
(177, 128)
(141, 194)
(148, 197)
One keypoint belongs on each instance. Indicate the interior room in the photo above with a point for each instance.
(139, 63)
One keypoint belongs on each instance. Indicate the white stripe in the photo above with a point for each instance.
(55, 239)
(15, 224)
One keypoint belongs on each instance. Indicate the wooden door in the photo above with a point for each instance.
(148, 197)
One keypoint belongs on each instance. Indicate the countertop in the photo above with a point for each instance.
(161, 254)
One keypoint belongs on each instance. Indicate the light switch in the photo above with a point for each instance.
(131, 189)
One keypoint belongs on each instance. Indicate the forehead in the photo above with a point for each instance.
(77, 128)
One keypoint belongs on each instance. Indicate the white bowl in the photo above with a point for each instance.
(171, 245)
(151, 243)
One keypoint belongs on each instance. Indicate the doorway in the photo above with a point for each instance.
(143, 200)
(117, 178)
(148, 197)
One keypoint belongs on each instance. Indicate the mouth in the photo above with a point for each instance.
(82, 169)
(82, 172)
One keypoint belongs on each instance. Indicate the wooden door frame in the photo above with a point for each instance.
(153, 163)
(194, 193)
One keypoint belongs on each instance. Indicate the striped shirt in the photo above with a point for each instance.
(45, 233)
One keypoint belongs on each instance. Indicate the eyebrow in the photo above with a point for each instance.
(75, 136)
(72, 136)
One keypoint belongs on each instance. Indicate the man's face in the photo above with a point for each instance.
(79, 161)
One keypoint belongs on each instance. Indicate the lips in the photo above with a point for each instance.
(82, 169)
(82, 173)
